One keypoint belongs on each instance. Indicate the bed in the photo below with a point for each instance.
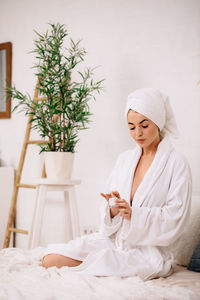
(23, 277)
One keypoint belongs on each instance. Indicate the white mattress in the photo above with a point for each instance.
(23, 277)
(182, 278)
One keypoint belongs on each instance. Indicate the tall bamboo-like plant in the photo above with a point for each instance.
(66, 109)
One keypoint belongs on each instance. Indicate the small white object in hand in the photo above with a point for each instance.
(112, 202)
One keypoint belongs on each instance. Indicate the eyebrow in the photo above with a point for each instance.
(139, 123)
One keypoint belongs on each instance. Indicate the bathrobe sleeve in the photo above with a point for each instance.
(162, 226)
(110, 225)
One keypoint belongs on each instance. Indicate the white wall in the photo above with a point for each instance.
(144, 43)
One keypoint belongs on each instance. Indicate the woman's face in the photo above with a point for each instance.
(143, 130)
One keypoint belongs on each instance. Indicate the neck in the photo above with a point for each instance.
(152, 148)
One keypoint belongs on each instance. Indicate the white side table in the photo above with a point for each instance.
(68, 187)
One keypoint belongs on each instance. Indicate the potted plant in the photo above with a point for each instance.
(67, 92)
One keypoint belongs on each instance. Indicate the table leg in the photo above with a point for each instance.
(37, 217)
(68, 216)
(73, 211)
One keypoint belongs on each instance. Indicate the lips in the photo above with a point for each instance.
(141, 140)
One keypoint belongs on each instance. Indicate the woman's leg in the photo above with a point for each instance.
(59, 261)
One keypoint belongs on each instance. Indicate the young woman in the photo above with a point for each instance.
(152, 184)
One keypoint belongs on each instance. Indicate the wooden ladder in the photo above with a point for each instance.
(12, 213)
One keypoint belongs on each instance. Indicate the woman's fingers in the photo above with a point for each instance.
(124, 208)
(122, 203)
(115, 194)
(125, 214)
(110, 195)
(106, 196)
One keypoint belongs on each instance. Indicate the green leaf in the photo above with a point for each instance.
(67, 98)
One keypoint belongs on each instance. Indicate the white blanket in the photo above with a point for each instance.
(23, 277)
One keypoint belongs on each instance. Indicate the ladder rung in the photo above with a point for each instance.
(28, 186)
(37, 142)
(18, 230)
(40, 99)
(27, 140)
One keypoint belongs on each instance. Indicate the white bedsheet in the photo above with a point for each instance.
(23, 277)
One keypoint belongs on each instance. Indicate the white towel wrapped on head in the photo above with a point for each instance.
(155, 106)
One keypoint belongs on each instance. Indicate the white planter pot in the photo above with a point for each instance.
(59, 165)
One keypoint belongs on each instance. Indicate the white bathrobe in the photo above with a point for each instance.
(143, 246)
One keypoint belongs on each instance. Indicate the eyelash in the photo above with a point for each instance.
(142, 127)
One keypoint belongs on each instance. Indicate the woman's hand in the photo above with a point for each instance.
(122, 205)
(124, 208)
(113, 210)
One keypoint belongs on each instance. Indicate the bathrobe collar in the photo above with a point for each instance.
(159, 162)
